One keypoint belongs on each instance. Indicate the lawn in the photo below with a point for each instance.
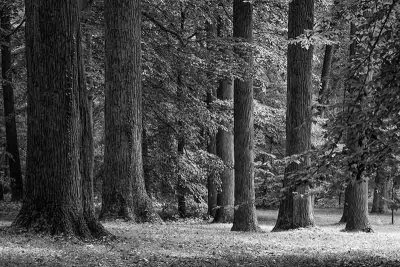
(198, 243)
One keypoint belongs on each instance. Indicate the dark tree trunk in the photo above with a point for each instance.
(181, 187)
(9, 110)
(53, 195)
(211, 185)
(296, 209)
(245, 218)
(357, 216)
(124, 192)
(347, 196)
(379, 205)
(225, 151)
(148, 181)
(325, 79)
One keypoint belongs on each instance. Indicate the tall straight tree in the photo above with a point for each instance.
(53, 199)
(296, 209)
(9, 109)
(225, 150)
(357, 213)
(124, 192)
(245, 218)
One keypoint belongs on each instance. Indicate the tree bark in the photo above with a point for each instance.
(211, 186)
(124, 193)
(296, 209)
(53, 199)
(346, 204)
(225, 151)
(325, 78)
(245, 218)
(379, 205)
(9, 109)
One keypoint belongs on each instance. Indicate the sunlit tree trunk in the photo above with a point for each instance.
(9, 109)
(379, 205)
(245, 218)
(296, 208)
(124, 192)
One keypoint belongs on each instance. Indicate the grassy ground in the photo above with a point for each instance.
(197, 243)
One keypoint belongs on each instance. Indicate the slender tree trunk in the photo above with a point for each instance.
(296, 209)
(346, 204)
(245, 218)
(124, 192)
(9, 110)
(211, 185)
(53, 196)
(225, 151)
(181, 187)
(325, 78)
(379, 205)
(357, 216)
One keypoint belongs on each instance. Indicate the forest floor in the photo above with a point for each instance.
(198, 243)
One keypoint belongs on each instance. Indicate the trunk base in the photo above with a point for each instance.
(56, 220)
(245, 219)
(224, 215)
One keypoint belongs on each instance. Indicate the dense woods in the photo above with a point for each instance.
(151, 111)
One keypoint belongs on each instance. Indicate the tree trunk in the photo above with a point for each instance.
(379, 205)
(357, 219)
(325, 79)
(225, 151)
(296, 209)
(9, 110)
(181, 187)
(53, 196)
(124, 193)
(347, 197)
(211, 186)
(358, 207)
(245, 218)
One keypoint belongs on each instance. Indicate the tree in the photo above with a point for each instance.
(53, 198)
(357, 213)
(225, 150)
(245, 218)
(9, 109)
(379, 203)
(124, 193)
(296, 209)
(326, 78)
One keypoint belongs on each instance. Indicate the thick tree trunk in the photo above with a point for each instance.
(296, 209)
(347, 196)
(225, 151)
(9, 110)
(124, 193)
(53, 196)
(379, 205)
(245, 218)
(358, 207)
(325, 79)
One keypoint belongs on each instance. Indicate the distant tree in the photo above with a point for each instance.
(53, 195)
(245, 218)
(8, 99)
(326, 76)
(124, 193)
(296, 209)
(381, 192)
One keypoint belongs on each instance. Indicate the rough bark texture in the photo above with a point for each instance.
(245, 218)
(346, 204)
(225, 151)
(325, 78)
(53, 195)
(181, 187)
(296, 209)
(357, 219)
(124, 193)
(379, 205)
(9, 110)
